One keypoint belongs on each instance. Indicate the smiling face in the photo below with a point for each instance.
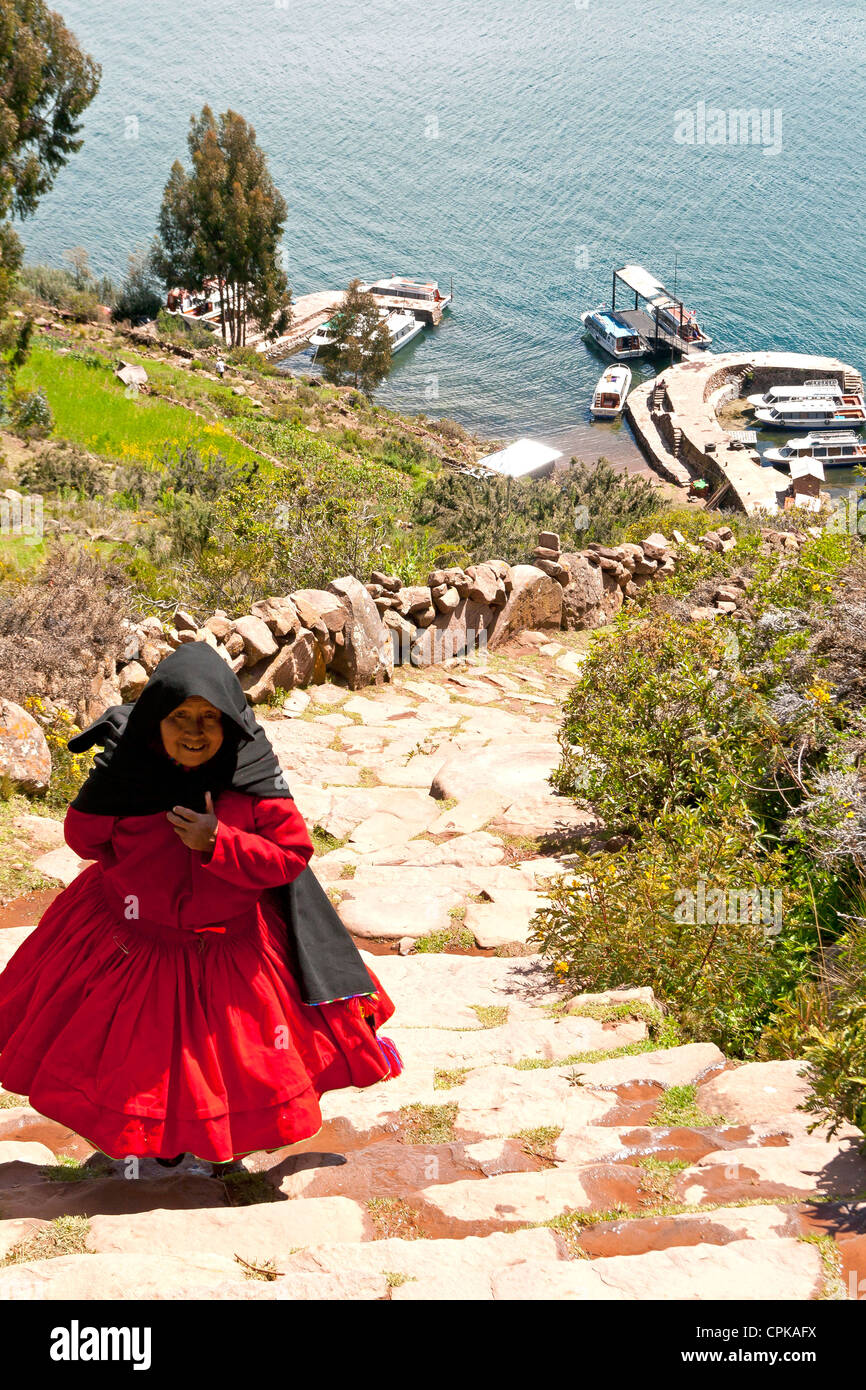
(193, 732)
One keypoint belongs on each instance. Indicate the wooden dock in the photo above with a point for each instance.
(308, 313)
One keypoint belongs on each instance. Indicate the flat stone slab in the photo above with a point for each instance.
(743, 1270)
(500, 1100)
(255, 1232)
(513, 1042)
(436, 991)
(801, 1168)
(755, 1091)
(518, 769)
(518, 1199)
(507, 919)
(393, 912)
(673, 1066)
(62, 864)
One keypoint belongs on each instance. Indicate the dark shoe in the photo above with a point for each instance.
(171, 1162)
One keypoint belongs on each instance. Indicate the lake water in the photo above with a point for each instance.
(524, 148)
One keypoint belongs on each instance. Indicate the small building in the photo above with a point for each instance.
(525, 458)
(807, 475)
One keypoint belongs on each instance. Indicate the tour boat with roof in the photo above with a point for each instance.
(818, 413)
(610, 393)
(809, 391)
(832, 450)
(613, 333)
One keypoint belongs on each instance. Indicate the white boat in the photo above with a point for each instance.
(831, 450)
(402, 327)
(809, 391)
(820, 413)
(610, 393)
(613, 333)
(398, 287)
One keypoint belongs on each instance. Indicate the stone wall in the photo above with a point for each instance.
(359, 632)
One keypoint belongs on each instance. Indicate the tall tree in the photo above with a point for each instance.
(46, 83)
(224, 219)
(361, 351)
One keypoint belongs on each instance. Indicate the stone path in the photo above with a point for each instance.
(531, 1148)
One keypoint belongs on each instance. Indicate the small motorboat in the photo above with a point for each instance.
(610, 393)
(401, 324)
(613, 333)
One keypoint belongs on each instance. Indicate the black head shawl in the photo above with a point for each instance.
(134, 776)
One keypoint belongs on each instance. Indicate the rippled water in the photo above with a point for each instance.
(524, 148)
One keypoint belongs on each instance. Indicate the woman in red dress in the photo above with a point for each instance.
(193, 990)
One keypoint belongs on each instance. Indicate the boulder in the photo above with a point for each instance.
(279, 615)
(152, 652)
(583, 595)
(487, 587)
(24, 754)
(132, 679)
(220, 626)
(298, 662)
(257, 638)
(366, 656)
(535, 601)
(318, 606)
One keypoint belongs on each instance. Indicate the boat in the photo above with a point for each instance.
(402, 327)
(610, 393)
(398, 287)
(204, 307)
(613, 333)
(675, 318)
(820, 413)
(809, 391)
(831, 450)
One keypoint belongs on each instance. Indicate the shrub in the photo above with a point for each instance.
(139, 298)
(65, 467)
(57, 629)
(33, 415)
(640, 917)
(503, 516)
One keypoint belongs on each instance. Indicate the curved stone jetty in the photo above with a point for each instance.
(675, 421)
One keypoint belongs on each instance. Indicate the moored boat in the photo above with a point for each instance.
(809, 391)
(401, 324)
(831, 450)
(610, 393)
(820, 413)
(675, 318)
(613, 333)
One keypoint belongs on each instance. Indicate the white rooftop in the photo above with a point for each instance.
(644, 283)
(806, 468)
(522, 459)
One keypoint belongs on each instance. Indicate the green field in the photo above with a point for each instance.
(91, 408)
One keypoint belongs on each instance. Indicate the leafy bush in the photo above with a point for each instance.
(33, 415)
(139, 298)
(68, 770)
(503, 516)
(728, 754)
(63, 468)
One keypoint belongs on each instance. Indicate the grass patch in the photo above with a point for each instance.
(540, 1142)
(491, 1015)
(67, 1169)
(65, 1235)
(17, 874)
(445, 1080)
(394, 1217)
(9, 1101)
(324, 842)
(455, 937)
(91, 408)
(833, 1285)
(679, 1107)
(659, 1175)
(394, 1278)
(249, 1189)
(428, 1124)
(265, 1270)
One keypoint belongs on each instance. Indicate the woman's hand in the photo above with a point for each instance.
(196, 829)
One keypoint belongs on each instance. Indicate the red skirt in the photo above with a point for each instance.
(153, 1041)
